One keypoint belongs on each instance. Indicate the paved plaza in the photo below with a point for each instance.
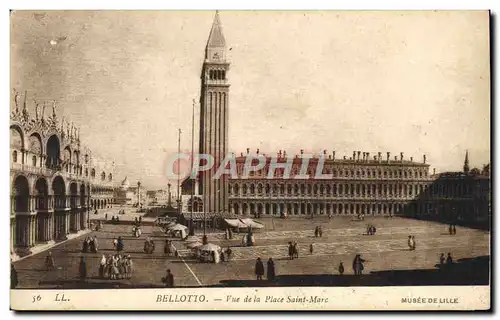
(342, 238)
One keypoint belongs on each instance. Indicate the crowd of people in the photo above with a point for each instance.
(115, 266)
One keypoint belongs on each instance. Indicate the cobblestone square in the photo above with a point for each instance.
(342, 239)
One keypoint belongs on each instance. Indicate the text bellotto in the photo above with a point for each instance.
(180, 298)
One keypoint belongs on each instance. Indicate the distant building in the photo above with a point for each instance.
(127, 195)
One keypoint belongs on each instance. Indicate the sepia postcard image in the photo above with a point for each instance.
(250, 160)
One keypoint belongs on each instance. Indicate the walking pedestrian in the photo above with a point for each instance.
(454, 230)
(450, 229)
(414, 245)
(341, 268)
(311, 249)
(316, 232)
(228, 253)
(259, 269)
(320, 232)
(441, 259)
(290, 251)
(271, 271)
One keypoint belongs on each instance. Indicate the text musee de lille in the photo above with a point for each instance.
(421, 300)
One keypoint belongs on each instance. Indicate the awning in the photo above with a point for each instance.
(252, 224)
(236, 223)
(177, 227)
(209, 247)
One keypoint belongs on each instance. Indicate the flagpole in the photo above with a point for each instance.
(179, 176)
(193, 180)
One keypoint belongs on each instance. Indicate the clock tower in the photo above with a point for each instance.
(214, 103)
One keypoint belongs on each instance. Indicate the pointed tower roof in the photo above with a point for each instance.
(466, 162)
(216, 38)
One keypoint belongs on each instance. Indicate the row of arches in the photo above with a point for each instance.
(49, 155)
(322, 189)
(216, 74)
(45, 196)
(318, 208)
(358, 173)
(101, 203)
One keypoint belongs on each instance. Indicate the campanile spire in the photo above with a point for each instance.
(214, 107)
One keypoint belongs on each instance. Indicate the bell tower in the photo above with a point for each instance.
(214, 104)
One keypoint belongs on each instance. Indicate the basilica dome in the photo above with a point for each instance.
(125, 184)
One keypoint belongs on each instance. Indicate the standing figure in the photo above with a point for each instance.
(49, 262)
(13, 277)
(454, 230)
(102, 266)
(450, 229)
(316, 232)
(410, 243)
(320, 232)
(357, 265)
(228, 253)
(120, 246)
(295, 250)
(271, 271)
(259, 269)
(449, 259)
(311, 248)
(441, 259)
(341, 268)
(83, 269)
(290, 251)
(85, 247)
(115, 243)
(414, 243)
(169, 279)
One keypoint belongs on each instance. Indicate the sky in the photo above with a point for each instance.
(412, 82)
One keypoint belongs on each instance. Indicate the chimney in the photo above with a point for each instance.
(395, 158)
(301, 151)
(354, 155)
(388, 157)
(324, 152)
(411, 159)
(248, 150)
(401, 156)
(350, 158)
(425, 159)
(380, 157)
(434, 171)
(257, 150)
(367, 156)
(359, 153)
(333, 155)
(284, 153)
(374, 158)
(364, 156)
(345, 157)
(329, 157)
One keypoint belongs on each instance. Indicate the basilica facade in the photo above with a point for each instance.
(53, 177)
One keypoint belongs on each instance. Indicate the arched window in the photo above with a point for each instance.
(103, 176)
(14, 156)
(33, 161)
(86, 172)
(223, 75)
